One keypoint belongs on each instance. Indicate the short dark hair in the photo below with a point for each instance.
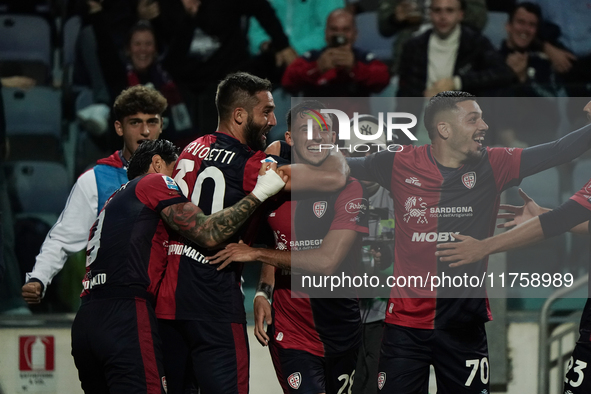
(304, 106)
(139, 99)
(239, 90)
(142, 157)
(444, 101)
(140, 26)
(529, 7)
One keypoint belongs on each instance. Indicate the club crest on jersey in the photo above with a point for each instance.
(381, 380)
(469, 179)
(294, 380)
(320, 208)
(164, 385)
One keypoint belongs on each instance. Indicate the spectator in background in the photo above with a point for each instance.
(522, 51)
(407, 18)
(303, 22)
(141, 67)
(567, 42)
(450, 57)
(339, 69)
(208, 43)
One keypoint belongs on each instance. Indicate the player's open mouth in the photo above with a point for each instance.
(479, 140)
(314, 148)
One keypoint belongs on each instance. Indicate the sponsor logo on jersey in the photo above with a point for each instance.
(294, 380)
(413, 181)
(484, 391)
(170, 183)
(356, 205)
(449, 212)
(186, 250)
(450, 209)
(588, 187)
(391, 307)
(320, 208)
(469, 179)
(381, 380)
(91, 280)
(279, 336)
(164, 385)
(305, 244)
(509, 151)
(415, 208)
(433, 237)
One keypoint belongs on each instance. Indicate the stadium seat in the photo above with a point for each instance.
(369, 38)
(39, 188)
(495, 28)
(33, 123)
(70, 36)
(25, 47)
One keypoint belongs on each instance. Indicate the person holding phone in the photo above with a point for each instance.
(340, 69)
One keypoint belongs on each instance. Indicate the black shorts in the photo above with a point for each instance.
(116, 347)
(300, 372)
(215, 354)
(459, 356)
(577, 379)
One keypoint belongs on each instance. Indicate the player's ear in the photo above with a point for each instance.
(157, 163)
(334, 137)
(288, 138)
(443, 129)
(119, 128)
(240, 115)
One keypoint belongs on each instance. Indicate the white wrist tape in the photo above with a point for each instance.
(268, 185)
(262, 294)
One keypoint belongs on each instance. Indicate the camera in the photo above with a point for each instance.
(337, 41)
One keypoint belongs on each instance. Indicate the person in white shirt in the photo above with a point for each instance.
(138, 113)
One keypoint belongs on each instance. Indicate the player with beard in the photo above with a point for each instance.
(451, 186)
(197, 304)
(313, 341)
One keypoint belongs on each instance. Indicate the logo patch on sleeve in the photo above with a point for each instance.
(170, 183)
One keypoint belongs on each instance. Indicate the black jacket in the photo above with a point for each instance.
(478, 64)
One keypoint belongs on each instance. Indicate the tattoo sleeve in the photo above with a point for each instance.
(209, 231)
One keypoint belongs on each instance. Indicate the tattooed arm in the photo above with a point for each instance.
(323, 260)
(209, 231)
